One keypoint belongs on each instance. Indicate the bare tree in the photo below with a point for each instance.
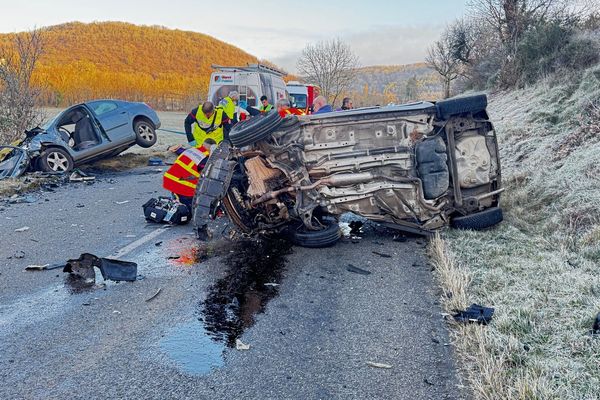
(331, 65)
(17, 94)
(440, 58)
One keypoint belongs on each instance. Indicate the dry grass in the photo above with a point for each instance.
(540, 269)
(127, 161)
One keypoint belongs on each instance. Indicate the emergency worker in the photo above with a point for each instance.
(283, 108)
(228, 104)
(181, 178)
(265, 107)
(205, 123)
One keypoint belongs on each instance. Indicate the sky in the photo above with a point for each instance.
(379, 32)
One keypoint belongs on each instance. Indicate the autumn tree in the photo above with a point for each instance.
(17, 94)
(441, 59)
(331, 65)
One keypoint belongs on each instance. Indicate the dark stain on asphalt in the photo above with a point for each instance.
(255, 268)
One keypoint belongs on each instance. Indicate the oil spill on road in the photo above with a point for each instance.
(254, 269)
(192, 349)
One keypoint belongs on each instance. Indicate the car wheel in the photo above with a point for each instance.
(254, 129)
(145, 134)
(328, 236)
(55, 159)
(461, 105)
(478, 221)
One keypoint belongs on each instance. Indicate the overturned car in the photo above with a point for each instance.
(414, 167)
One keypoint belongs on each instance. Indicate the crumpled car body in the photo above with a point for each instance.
(414, 167)
(83, 133)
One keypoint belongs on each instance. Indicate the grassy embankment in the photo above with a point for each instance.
(540, 268)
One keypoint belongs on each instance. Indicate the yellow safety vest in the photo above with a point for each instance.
(266, 108)
(208, 128)
(228, 107)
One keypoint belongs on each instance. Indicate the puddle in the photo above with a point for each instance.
(192, 349)
(255, 268)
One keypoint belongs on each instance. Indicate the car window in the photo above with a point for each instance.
(102, 107)
(297, 100)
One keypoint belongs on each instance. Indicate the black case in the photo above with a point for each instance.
(165, 209)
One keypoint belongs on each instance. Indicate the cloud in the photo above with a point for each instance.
(388, 45)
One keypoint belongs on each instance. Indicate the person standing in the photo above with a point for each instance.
(320, 106)
(228, 103)
(265, 106)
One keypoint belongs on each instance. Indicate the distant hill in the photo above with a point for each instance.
(120, 60)
(395, 84)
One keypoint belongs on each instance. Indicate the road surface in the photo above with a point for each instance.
(314, 324)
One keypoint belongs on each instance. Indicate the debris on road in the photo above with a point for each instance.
(23, 229)
(475, 313)
(355, 227)
(158, 244)
(345, 228)
(79, 176)
(384, 255)
(19, 254)
(271, 284)
(122, 202)
(356, 270)
(155, 162)
(114, 270)
(378, 365)
(400, 238)
(166, 209)
(154, 295)
(45, 267)
(239, 345)
(16, 199)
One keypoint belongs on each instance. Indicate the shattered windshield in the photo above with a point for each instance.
(13, 162)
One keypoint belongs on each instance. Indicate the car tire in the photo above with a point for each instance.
(55, 159)
(461, 105)
(254, 129)
(325, 237)
(145, 134)
(478, 221)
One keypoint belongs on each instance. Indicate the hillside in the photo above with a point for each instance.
(395, 84)
(112, 59)
(538, 268)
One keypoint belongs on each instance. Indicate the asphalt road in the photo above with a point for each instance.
(312, 325)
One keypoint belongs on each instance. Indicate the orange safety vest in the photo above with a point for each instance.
(182, 177)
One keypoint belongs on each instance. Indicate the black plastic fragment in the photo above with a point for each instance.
(475, 313)
(114, 270)
(384, 255)
(596, 325)
(356, 270)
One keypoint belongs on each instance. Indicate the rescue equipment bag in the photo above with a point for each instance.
(166, 209)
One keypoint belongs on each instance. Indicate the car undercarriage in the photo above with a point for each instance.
(415, 167)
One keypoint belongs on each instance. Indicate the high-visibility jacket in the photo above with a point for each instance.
(290, 111)
(266, 108)
(182, 177)
(228, 107)
(208, 128)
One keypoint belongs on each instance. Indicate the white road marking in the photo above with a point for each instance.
(134, 245)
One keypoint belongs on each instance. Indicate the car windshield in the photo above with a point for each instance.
(298, 100)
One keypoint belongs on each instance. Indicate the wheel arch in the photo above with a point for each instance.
(141, 117)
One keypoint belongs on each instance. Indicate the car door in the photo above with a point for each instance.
(114, 119)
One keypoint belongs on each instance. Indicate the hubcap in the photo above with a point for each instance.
(57, 162)
(145, 132)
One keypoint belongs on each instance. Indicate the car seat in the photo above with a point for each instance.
(84, 134)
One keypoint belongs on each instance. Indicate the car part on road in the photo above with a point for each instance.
(80, 176)
(111, 269)
(55, 159)
(239, 345)
(384, 255)
(22, 229)
(475, 313)
(45, 267)
(356, 270)
(154, 295)
(378, 365)
(327, 236)
(166, 209)
(415, 168)
(596, 325)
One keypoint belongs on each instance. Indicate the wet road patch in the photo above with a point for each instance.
(255, 268)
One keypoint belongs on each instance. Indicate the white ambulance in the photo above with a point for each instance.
(251, 82)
